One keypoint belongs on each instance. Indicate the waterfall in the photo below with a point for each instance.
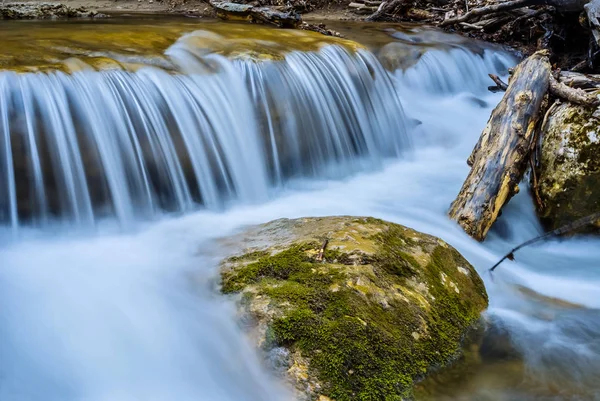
(128, 144)
(455, 70)
(208, 129)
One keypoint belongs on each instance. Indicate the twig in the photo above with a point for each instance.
(499, 83)
(471, 26)
(577, 224)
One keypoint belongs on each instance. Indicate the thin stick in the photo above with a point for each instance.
(499, 83)
(589, 220)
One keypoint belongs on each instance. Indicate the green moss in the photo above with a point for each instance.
(360, 348)
(279, 266)
(357, 349)
(391, 256)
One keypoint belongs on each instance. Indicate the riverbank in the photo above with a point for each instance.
(525, 29)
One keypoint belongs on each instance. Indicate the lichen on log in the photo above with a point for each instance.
(499, 159)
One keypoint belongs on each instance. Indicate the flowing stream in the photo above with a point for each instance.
(121, 164)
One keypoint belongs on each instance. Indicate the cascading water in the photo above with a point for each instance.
(130, 143)
(133, 315)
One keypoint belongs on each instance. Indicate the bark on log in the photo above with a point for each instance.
(500, 158)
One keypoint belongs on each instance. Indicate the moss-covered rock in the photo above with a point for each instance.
(382, 307)
(569, 171)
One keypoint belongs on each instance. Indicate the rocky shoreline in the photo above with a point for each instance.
(43, 10)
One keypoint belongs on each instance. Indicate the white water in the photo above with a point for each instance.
(134, 316)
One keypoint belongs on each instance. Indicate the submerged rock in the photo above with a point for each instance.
(44, 11)
(569, 171)
(379, 308)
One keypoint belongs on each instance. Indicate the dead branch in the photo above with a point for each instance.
(578, 80)
(322, 251)
(481, 11)
(499, 83)
(573, 95)
(386, 8)
(561, 5)
(566, 229)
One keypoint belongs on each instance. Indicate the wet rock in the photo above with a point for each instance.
(381, 306)
(398, 55)
(320, 28)
(569, 170)
(234, 11)
(44, 11)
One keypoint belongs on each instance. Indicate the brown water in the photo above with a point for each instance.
(130, 42)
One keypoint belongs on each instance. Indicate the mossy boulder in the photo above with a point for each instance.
(380, 308)
(569, 169)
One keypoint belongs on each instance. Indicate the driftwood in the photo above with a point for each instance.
(561, 5)
(500, 157)
(593, 219)
(568, 87)
(384, 9)
(573, 95)
(578, 80)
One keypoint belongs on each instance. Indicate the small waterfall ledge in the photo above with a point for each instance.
(89, 144)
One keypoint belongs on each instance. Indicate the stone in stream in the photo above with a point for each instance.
(234, 11)
(399, 55)
(381, 307)
(569, 167)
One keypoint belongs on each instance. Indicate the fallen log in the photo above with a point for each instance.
(499, 159)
